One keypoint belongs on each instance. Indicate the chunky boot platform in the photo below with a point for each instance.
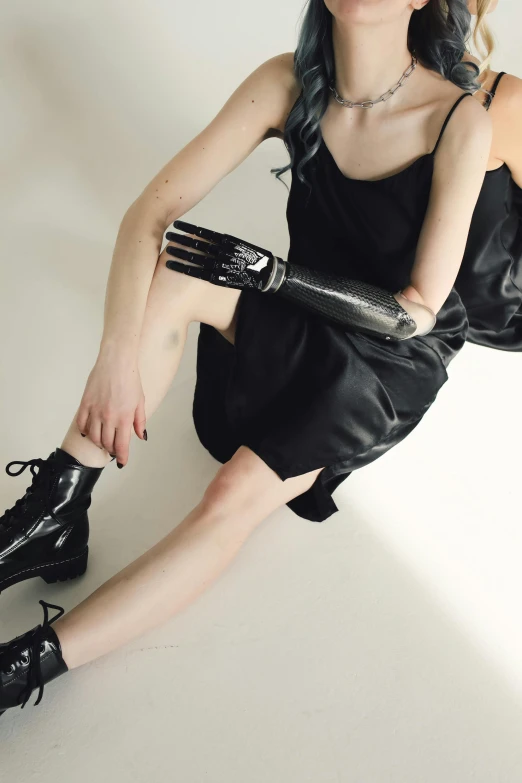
(46, 532)
(30, 661)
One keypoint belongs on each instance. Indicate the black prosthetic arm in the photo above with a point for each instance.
(353, 304)
(350, 303)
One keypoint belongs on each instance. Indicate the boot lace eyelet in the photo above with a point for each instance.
(42, 648)
(10, 670)
(24, 658)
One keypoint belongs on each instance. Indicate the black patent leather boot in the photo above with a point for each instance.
(30, 661)
(46, 532)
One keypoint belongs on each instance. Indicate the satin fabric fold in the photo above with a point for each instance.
(489, 281)
(304, 393)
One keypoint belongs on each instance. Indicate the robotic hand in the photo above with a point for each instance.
(231, 262)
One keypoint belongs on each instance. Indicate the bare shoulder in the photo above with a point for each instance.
(281, 81)
(441, 100)
(507, 117)
(468, 132)
(266, 95)
(507, 105)
(264, 99)
(509, 92)
(256, 110)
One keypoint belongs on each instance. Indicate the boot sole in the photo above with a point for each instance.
(58, 571)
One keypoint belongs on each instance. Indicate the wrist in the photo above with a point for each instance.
(121, 350)
(275, 276)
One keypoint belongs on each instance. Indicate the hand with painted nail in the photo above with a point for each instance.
(113, 405)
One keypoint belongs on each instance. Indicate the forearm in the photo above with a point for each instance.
(351, 303)
(134, 260)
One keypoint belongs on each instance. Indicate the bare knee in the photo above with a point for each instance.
(246, 486)
(232, 492)
(195, 299)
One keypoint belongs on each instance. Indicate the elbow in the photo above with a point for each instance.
(420, 310)
(411, 293)
(414, 295)
(145, 212)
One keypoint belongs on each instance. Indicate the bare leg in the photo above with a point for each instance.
(174, 301)
(178, 568)
(244, 492)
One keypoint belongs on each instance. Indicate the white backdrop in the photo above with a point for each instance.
(383, 645)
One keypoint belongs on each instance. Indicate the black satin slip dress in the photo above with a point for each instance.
(489, 281)
(303, 393)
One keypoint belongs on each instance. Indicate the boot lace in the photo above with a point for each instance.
(27, 648)
(39, 490)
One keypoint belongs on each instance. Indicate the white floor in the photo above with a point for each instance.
(382, 646)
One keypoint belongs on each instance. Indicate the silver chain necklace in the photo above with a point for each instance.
(384, 97)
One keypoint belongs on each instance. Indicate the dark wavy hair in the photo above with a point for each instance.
(437, 34)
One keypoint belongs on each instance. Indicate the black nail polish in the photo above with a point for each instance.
(119, 465)
(145, 436)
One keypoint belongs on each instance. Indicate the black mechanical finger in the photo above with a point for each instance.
(197, 244)
(219, 252)
(205, 261)
(210, 248)
(229, 245)
(191, 271)
(205, 233)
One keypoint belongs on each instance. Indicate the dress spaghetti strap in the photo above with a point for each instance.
(447, 118)
(491, 93)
